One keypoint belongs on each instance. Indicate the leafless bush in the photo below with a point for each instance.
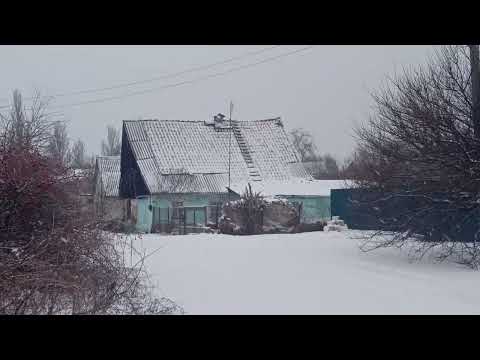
(420, 151)
(54, 257)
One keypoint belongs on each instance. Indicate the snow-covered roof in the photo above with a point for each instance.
(301, 187)
(108, 168)
(192, 183)
(259, 150)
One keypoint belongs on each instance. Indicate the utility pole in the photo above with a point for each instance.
(230, 148)
(475, 69)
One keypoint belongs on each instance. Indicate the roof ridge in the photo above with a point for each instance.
(202, 121)
(210, 173)
(260, 120)
(139, 120)
(164, 120)
(173, 120)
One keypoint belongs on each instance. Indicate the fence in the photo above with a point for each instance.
(191, 219)
(356, 208)
(344, 203)
(185, 220)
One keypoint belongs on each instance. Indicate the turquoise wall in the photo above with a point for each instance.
(145, 215)
(314, 208)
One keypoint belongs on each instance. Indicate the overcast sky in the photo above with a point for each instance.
(325, 89)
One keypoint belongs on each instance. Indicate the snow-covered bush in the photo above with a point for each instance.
(244, 216)
(256, 214)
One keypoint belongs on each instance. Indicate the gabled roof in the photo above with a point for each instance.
(108, 168)
(259, 150)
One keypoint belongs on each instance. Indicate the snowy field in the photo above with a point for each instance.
(307, 273)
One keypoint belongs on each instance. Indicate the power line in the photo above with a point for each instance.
(49, 115)
(167, 76)
(273, 58)
(162, 77)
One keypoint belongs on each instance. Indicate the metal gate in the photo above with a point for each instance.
(356, 208)
(179, 220)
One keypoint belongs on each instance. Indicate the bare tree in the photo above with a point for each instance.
(26, 127)
(59, 144)
(421, 156)
(303, 142)
(112, 145)
(357, 165)
(331, 168)
(78, 155)
(323, 167)
(90, 161)
(54, 258)
(475, 68)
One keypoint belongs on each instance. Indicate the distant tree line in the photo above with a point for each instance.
(33, 129)
(320, 166)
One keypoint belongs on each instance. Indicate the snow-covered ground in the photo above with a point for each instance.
(307, 273)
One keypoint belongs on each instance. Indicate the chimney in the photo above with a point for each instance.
(218, 118)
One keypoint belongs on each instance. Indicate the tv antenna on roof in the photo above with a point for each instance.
(230, 148)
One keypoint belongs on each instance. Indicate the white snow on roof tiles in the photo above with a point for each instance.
(109, 169)
(193, 183)
(193, 146)
(301, 187)
(271, 150)
(196, 147)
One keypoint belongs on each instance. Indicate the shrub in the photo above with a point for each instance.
(54, 258)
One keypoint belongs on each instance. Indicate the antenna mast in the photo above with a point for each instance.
(230, 148)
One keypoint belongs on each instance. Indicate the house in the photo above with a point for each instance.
(178, 172)
(108, 205)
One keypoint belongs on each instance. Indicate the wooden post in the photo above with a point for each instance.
(184, 221)
(300, 213)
